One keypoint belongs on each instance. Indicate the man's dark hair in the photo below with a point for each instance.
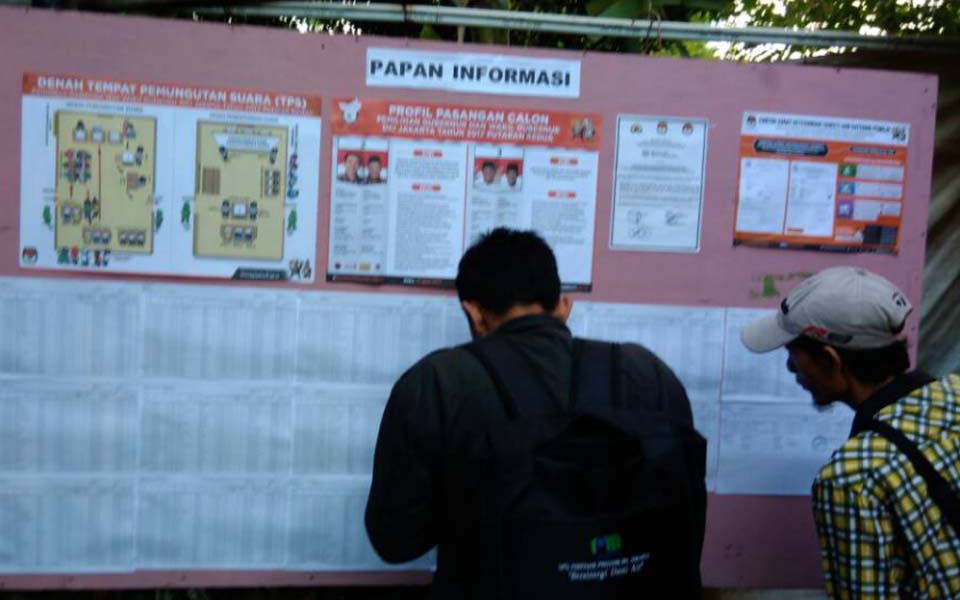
(506, 267)
(374, 159)
(488, 163)
(513, 167)
(873, 365)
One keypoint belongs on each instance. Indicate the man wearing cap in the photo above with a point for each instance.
(887, 505)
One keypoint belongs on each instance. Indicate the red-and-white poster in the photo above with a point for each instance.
(415, 184)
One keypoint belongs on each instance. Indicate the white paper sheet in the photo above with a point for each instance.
(66, 524)
(67, 427)
(329, 533)
(811, 201)
(207, 332)
(684, 338)
(749, 377)
(212, 522)
(577, 322)
(706, 418)
(563, 187)
(65, 328)
(370, 339)
(763, 195)
(427, 209)
(336, 428)
(456, 330)
(777, 449)
(216, 428)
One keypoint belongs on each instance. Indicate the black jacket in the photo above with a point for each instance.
(438, 412)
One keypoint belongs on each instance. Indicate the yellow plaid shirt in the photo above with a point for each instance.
(880, 534)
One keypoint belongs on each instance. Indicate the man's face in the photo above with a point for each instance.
(489, 172)
(817, 374)
(511, 177)
(350, 165)
(373, 170)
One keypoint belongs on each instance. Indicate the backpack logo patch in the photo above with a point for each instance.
(606, 545)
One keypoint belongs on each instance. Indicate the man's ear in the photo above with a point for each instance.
(564, 306)
(478, 321)
(833, 360)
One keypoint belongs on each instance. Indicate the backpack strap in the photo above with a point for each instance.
(503, 393)
(938, 487)
(512, 376)
(596, 373)
(902, 385)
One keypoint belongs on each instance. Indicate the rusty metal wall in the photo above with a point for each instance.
(939, 350)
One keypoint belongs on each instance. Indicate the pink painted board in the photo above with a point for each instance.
(752, 541)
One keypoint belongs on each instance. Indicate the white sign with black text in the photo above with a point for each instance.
(483, 73)
(658, 184)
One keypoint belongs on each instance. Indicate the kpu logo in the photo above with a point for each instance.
(606, 545)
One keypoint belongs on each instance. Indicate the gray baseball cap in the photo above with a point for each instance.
(846, 307)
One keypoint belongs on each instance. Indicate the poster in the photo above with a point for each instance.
(168, 179)
(658, 183)
(821, 183)
(415, 184)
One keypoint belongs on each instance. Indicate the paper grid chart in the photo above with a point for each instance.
(152, 426)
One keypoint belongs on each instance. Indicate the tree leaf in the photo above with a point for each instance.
(626, 9)
(596, 7)
(427, 32)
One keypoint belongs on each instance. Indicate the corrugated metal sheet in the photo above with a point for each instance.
(939, 351)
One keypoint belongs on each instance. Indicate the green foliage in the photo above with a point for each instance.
(931, 16)
(877, 17)
(654, 10)
(429, 33)
(895, 17)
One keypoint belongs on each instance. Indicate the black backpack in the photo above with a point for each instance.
(598, 501)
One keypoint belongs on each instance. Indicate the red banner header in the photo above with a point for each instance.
(494, 125)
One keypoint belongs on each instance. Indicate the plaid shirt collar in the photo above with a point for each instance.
(901, 386)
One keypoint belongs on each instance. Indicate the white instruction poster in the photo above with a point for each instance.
(658, 183)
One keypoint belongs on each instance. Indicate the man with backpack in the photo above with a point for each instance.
(887, 505)
(541, 466)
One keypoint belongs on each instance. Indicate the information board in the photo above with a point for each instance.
(163, 426)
